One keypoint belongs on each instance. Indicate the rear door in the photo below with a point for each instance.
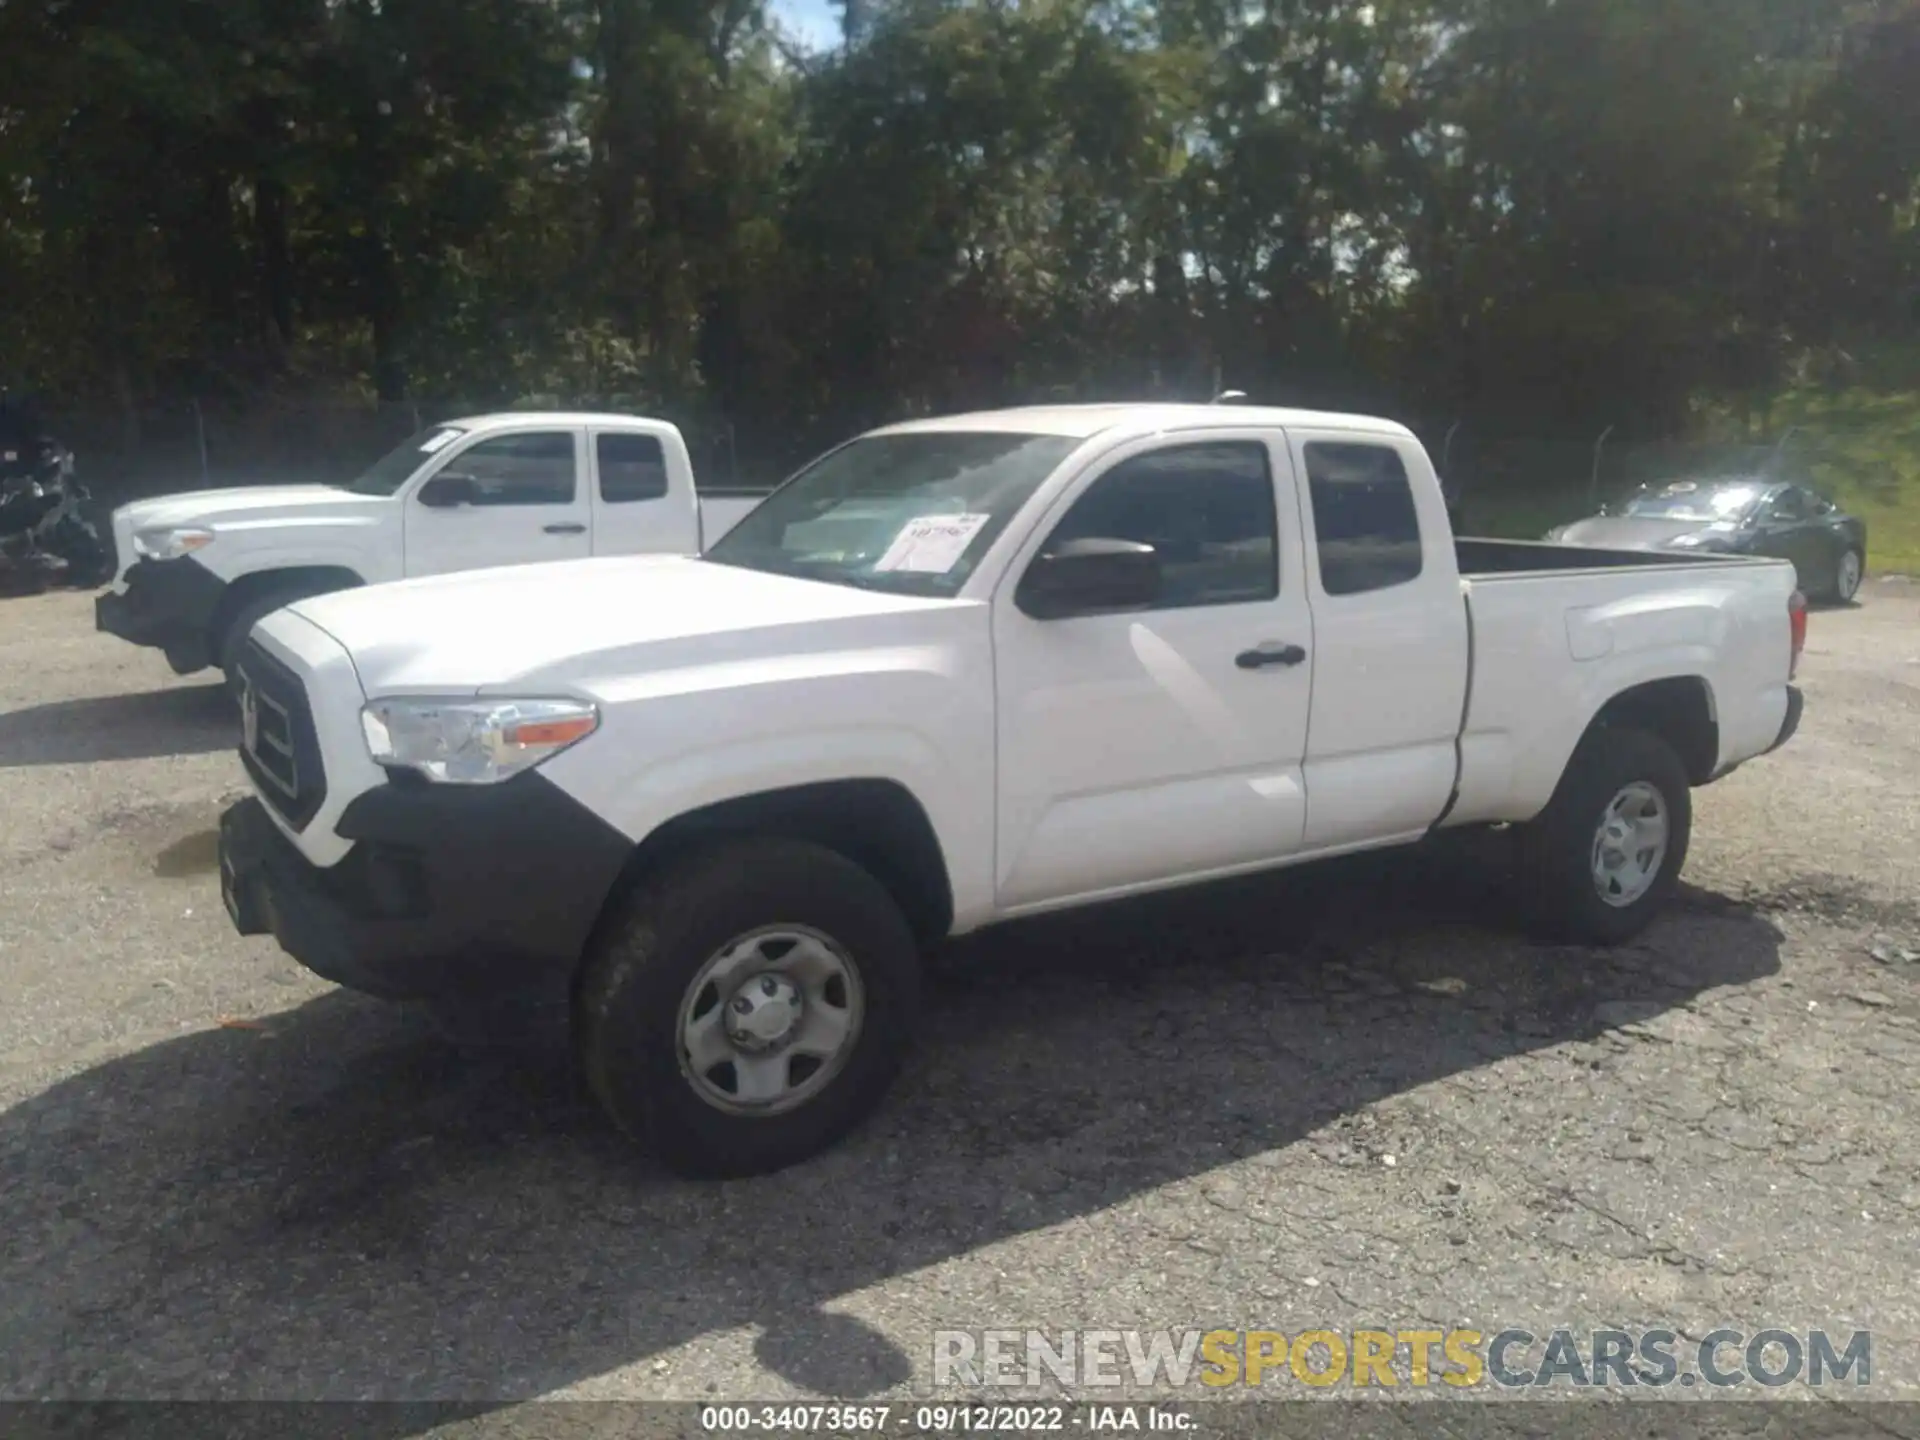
(1390, 628)
(1149, 746)
(642, 494)
(528, 504)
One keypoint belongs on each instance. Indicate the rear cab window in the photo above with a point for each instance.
(632, 468)
(1366, 526)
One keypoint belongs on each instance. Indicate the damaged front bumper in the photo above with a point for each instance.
(447, 891)
(168, 605)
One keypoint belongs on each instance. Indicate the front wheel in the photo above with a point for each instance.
(747, 1007)
(1597, 864)
(1847, 573)
(231, 643)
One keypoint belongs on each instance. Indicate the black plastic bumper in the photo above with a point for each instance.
(168, 605)
(448, 891)
(1795, 703)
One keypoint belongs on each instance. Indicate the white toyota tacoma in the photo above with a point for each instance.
(195, 572)
(954, 672)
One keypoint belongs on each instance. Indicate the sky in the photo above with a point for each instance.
(815, 22)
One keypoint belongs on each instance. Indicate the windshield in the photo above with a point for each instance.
(909, 513)
(1688, 501)
(390, 471)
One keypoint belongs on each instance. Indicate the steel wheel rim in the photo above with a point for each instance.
(1849, 575)
(769, 1020)
(1630, 844)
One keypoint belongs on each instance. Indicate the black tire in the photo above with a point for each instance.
(639, 967)
(232, 640)
(1556, 849)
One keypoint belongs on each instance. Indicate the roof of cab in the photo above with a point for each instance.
(499, 419)
(1084, 421)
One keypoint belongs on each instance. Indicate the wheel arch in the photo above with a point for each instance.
(257, 585)
(878, 824)
(1678, 709)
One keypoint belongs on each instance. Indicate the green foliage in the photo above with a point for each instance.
(1535, 216)
(1861, 445)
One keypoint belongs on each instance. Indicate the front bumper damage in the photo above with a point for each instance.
(453, 892)
(168, 605)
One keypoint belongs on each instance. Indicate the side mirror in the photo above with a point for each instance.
(448, 490)
(1084, 576)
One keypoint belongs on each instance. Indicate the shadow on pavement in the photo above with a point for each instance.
(343, 1207)
(188, 720)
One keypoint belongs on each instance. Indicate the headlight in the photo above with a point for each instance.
(170, 544)
(473, 742)
(1699, 540)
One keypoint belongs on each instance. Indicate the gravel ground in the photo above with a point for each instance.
(1337, 1099)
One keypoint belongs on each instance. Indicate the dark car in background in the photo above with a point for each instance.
(1740, 516)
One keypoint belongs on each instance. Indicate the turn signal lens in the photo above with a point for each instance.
(552, 733)
(473, 742)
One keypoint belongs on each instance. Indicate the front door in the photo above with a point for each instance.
(524, 503)
(1157, 745)
(1787, 533)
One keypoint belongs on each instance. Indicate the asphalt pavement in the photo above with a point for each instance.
(1348, 1097)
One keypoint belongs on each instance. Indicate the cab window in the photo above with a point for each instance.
(1365, 527)
(1208, 512)
(632, 467)
(531, 469)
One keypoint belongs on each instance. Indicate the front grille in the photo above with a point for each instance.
(278, 744)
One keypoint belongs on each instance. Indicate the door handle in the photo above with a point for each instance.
(566, 529)
(1270, 654)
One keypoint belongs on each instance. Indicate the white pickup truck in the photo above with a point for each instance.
(954, 672)
(195, 572)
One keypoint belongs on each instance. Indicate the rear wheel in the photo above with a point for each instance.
(746, 1008)
(1597, 864)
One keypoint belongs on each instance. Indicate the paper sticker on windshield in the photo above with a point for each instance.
(441, 441)
(932, 544)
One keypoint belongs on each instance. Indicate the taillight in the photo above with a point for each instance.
(1797, 623)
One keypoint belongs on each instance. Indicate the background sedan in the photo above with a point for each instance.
(1786, 520)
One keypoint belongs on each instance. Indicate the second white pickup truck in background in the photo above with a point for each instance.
(196, 571)
(955, 672)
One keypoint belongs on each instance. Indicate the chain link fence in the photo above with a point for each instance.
(1501, 485)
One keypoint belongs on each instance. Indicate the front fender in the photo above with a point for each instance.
(254, 548)
(653, 795)
(919, 715)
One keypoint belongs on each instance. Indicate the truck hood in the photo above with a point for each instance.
(561, 624)
(248, 508)
(1634, 532)
(251, 502)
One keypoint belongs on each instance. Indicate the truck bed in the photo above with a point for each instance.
(1482, 558)
(722, 508)
(1557, 629)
